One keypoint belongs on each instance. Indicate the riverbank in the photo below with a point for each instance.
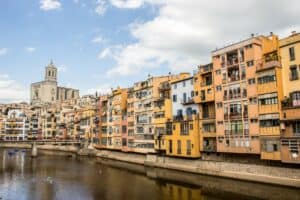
(247, 172)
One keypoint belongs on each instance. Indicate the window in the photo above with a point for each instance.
(124, 129)
(192, 93)
(253, 120)
(293, 73)
(188, 147)
(219, 88)
(296, 128)
(218, 72)
(266, 79)
(184, 97)
(269, 123)
(268, 101)
(174, 98)
(175, 86)
(236, 127)
(178, 146)
(192, 81)
(219, 105)
(184, 128)
(270, 145)
(292, 53)
(191, 127)
(253, 100)
(250, 63)
(170, 146)
(183, 84)
(251, 81)
(296, 99)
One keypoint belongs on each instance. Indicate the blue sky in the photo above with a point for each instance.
(99, 44)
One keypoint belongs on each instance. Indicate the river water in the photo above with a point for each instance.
(68, 177)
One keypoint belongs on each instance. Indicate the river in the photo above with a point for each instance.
(69, 177)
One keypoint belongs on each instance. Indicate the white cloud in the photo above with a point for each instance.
(50, 4)
(30, 49)
(183, 33)
(101, 7)
(127, 3)
(3, 51)
(110, 52)
(11, 91)
(98, 39)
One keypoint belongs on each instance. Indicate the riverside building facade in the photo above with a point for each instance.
(244, 104)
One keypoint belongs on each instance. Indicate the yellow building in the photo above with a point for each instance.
(290, 59)
(84, 118)
(270, 94)
(182, 133)
(162, 109)
(205, 97)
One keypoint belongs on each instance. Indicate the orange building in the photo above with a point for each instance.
(290, 137)
(269, 91)
(205, 97)
(234, 69)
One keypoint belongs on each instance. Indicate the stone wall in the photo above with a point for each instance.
(249, 172)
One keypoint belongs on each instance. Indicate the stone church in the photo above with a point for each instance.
(47, 91)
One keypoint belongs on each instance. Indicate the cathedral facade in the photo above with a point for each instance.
(48, 91)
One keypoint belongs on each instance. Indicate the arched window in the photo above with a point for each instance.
(49, 73)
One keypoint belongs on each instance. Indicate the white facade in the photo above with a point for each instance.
(16, 125)
(182, 93)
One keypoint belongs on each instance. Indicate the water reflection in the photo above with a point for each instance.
(61, 177)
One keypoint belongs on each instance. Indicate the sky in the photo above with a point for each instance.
(102, 44)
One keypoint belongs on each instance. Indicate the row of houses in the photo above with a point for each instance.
(246, 102)
(71, 119)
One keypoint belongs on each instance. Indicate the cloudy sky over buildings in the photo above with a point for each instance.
(99, 44)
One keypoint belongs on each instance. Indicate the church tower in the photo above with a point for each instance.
(51, 72)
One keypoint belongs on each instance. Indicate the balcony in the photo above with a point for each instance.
(164, 86)
(210, 148)
(290, 148)
(235, 115)
(232, 61)
(267, 65)
(203, 69)
(206, 83)
(188, 101)
(233, 78)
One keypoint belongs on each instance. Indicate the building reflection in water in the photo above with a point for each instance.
(62, 177)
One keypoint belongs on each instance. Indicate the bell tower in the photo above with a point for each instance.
(51, 72)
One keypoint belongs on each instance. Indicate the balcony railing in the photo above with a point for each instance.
(209, 148)
(205, 68)
(232, 61)
(290, 103)
(188, 101)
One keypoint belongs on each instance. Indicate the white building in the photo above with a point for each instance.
(182, 92)
(16, 125)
